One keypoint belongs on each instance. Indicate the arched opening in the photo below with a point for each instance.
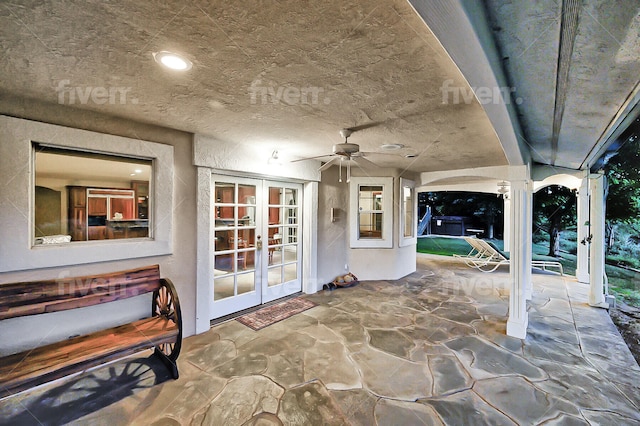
(555, 221)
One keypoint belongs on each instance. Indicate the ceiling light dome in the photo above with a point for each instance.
(172, 61)
(391, 146)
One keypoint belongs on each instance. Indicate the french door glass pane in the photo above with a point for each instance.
(246, 282)
(275, 275)
(234, 245)
(223, 287)
(275, 216)
(290, 272)
(290, 253)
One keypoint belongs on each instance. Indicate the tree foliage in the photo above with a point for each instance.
(623, 175)
(554, 210)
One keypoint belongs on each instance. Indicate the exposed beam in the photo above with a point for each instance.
(568, 31)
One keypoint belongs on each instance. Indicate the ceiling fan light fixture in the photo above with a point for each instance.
(503, 188)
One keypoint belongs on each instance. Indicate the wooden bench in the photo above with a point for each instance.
(162, 330)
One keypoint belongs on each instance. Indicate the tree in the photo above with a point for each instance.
(623, 177)
(554, 209)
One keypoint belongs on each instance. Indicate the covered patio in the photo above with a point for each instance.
(311, 128)
(429, 348)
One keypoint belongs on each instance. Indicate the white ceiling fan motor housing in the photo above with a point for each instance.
(346, 149)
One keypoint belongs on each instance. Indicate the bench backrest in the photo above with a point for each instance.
(38, 297)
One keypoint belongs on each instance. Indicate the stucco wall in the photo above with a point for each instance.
(179, 267)
(385, 263)
(333, 241)
(334, 251)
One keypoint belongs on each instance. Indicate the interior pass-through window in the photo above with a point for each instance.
(88, 196)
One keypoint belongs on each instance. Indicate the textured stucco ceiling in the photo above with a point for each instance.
(360, 63)
(288, 75)
(603, 69)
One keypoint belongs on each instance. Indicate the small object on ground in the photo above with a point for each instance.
(341, 281)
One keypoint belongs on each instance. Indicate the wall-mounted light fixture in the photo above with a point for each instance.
(275, 158)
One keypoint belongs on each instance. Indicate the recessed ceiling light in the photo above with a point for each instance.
(132, 174)
(391, 146)
(138, 171)
(172, 61)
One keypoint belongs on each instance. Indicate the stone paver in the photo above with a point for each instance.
(428, 349)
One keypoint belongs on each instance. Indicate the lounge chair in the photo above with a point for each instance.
(486, 257)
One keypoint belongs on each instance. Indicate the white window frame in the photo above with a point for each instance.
(17, 249)
(413, 239)
(386, 240)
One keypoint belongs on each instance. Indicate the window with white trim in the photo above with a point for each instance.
(371, 205)
(408, 209)
(88, 196)
(20, 225)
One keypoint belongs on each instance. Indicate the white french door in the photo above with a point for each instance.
(256, 244)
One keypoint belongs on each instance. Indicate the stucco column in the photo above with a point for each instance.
(528, 246)
(582, 270)
(204, 253)
(596, 258)
(506, 233)
(310, 238)
(519, 265)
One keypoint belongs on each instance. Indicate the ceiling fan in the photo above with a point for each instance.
(345, 152)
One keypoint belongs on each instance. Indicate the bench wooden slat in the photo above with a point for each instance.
(30, 298)
(30, 368)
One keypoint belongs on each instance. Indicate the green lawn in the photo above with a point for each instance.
(443, 246)
(623, 283)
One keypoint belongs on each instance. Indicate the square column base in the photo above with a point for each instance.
(582, 277)
(518, 327)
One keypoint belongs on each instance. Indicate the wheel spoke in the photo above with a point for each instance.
(166, 305)
(163, 296)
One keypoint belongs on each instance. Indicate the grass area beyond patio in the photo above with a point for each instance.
(443, 245)
(623, 283)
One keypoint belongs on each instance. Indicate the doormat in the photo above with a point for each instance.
(272, 314)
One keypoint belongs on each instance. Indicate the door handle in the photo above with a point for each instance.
(258, 242)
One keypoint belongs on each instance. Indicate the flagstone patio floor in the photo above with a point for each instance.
(428, 349)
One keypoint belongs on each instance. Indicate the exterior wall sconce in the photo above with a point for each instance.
(275, 158)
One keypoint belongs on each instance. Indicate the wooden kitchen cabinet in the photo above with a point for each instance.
(89, 211)
(77, 213)
(97, 206)
(97, 232)
(141, 190)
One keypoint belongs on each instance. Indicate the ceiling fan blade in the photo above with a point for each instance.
(367, 153)
(365, 126)
(311, 158)
(363, 162)
(328, 164)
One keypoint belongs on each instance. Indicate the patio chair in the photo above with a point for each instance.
(486, 257)
(479, 254)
